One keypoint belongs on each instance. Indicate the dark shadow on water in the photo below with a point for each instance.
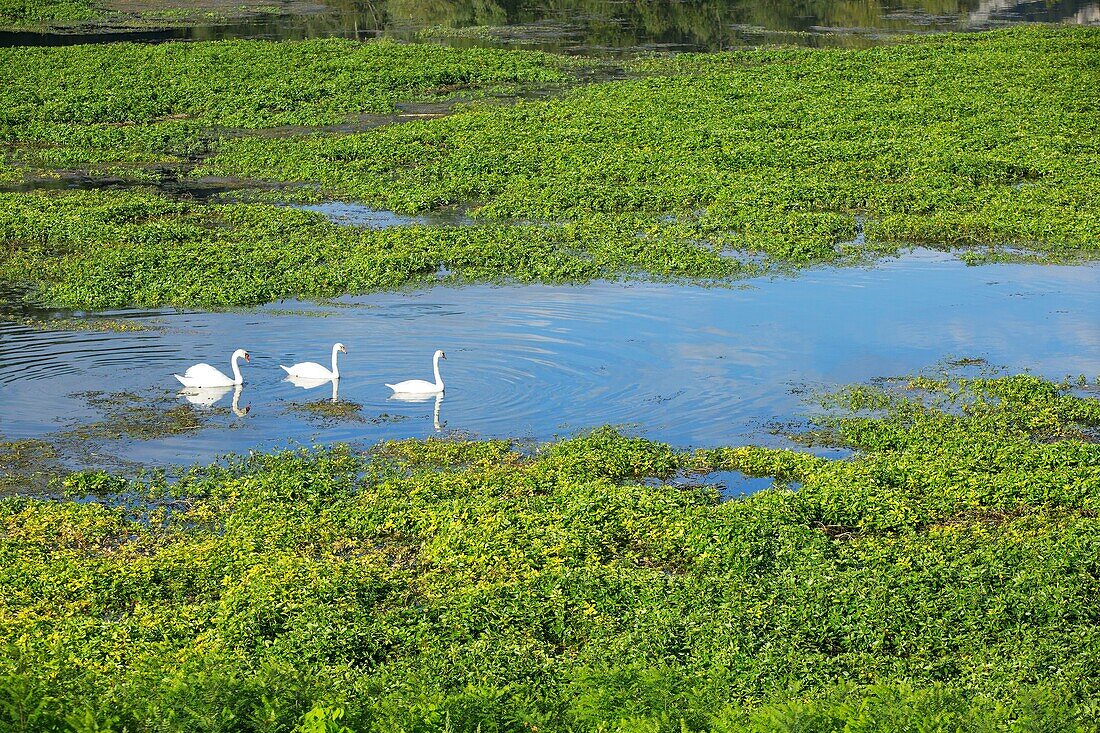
(360, 215)
(603, 26)
(166, 182)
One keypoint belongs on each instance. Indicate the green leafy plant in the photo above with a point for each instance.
(942, 578)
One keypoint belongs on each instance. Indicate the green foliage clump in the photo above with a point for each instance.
(8, 174)
(35, 13)
(800, 155)
(79, 105)
(943, 578)
(756, 461)
(986, 139)
(101, 249)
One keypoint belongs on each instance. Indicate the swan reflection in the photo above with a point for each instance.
(311, 383)
(209, 396)
(421, 397)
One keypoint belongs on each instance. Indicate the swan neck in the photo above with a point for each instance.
(438, 378)
(335, 369)
(237, 378)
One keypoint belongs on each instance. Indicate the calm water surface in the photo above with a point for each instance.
(689, 365)
(610, 26)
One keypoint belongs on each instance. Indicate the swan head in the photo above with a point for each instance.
(341, 348)
(439, 354)
(242, 354)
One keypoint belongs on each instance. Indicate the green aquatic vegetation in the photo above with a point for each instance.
(111, 15)
(947, 574)
(97, 104)
(436, 453)
(101, 249)
(37, 13)
(515, 35)
(26, 465)
(958, 140)
(129, 415)
(331, 412)
(938, 459)
(111, 325)
(700, 166)
(328, 410)
(753, 461)
(9, 174)
(33, 465)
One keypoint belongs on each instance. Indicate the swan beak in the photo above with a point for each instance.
(343, 349)
(247, 357)
(442, 356)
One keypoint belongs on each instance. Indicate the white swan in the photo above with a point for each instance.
(419, 386)
(313, 370)
(204, 375)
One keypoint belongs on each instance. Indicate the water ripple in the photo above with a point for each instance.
(684, 364)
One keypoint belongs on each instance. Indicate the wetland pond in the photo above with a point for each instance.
(591, 27)
(685, 364)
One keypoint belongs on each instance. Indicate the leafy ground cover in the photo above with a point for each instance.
(69, 16)
(801, 155)
(987, 139)
(947, 576)
(94, 249)
(38, 13)
(79, 105)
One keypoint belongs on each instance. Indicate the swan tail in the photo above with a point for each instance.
(182, 380)
(392, 386)
(285, 369)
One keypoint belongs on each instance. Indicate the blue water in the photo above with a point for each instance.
(694, 366)
(729, 484)
(367, 217)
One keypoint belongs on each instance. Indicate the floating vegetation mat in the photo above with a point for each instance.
(789, 157)
(946, 571)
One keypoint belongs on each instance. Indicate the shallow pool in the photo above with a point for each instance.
(685, 364)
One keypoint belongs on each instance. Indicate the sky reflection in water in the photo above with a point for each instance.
(684, 364)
